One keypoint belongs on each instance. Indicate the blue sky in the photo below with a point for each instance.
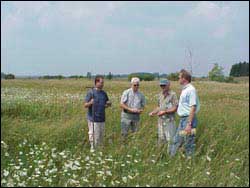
(73, 38)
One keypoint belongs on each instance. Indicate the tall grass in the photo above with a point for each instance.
(44, 138)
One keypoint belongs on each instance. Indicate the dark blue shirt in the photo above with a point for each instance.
(100, 99)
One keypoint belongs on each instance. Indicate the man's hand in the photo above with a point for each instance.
(188, 128)
(91, 102)
(160, 113)
(108, 103)
(135, 110)
(152, 114)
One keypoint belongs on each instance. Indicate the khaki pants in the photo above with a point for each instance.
(127, 125)
(96, 133)
(166, 130)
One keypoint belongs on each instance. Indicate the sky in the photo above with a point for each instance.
(73, 38)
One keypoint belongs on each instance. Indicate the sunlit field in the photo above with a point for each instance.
(44, 138)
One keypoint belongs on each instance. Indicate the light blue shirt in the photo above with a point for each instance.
(188, 99)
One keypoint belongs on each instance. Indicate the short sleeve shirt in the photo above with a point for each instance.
(132, 100)
(167, 102)
(188, 99)
(96, 112)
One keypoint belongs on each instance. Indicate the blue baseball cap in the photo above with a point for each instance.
(164, 82)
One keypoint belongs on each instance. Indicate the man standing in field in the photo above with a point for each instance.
(167, 106)
(132, 104)
(96, 101)
(188, 107)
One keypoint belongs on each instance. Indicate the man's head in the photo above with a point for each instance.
(99, 82)
(135, 82)
(164, 84)
(184, 77)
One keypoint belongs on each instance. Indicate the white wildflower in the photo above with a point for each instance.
(124, 179)
(208, 158)
(208, 173)
(130, 177)
(3, 181)
(5, 172)
(87, 158)
(85, 179)
(109, 173)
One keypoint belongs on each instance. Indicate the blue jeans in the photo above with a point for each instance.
(187, 140)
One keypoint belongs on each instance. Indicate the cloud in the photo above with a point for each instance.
(216, 18)
(47, 14)
(209, 11)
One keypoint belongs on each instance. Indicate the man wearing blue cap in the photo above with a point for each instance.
(167, 106)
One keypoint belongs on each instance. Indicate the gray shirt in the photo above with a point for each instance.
(132, 100)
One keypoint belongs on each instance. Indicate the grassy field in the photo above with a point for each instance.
(44, 139)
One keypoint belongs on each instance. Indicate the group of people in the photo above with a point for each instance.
(132, 104)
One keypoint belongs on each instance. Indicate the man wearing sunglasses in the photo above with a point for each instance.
(132, 104)
(167, 106)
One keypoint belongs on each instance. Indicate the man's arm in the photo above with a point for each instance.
(190, 119)
(108, 104)
(155, 111)
(88, 104)
(125, 107)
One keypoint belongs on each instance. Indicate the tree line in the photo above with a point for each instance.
(240, 69)
(216, 74)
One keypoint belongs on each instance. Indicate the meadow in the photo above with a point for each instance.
(44, 138)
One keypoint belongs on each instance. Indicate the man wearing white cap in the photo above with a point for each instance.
(132, 104)
(167, 106)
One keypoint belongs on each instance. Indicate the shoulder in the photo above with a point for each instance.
(104, 92)
(89, 92)
(191, 88)
(140, 93)
(127, 91)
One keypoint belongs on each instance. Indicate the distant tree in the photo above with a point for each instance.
(9, 76)
(240, 69)
(142, 76)
(89, 75)
(216, 74)
(2, 75)
(173, 76)
(52, 77)
(109, 76)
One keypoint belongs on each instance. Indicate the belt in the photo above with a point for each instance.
(127, 112)
(183, 116)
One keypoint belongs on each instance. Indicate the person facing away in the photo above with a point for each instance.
(132, 104)
(167, 106)
(188, 107)
(96, 101)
